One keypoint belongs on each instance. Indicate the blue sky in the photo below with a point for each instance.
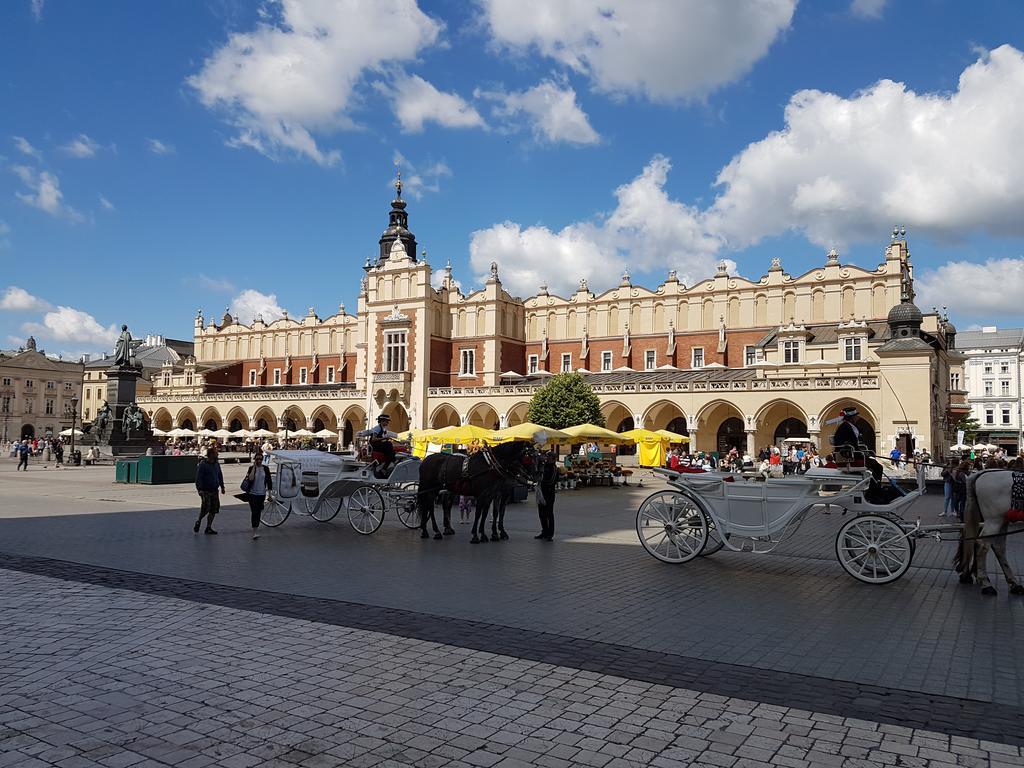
(157, 158)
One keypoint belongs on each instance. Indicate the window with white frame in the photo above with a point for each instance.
(277, 376)
(167, 380)
(252, 377)
(990, 416)
(87, 393)
(791, 351)
(988, 389)
(51, 385)
(1006, 416)
(566, 362)
(395, 346)
(468, 365)
(188, 378)
(650, 360)
(1004, 388)
(697, 357)
(749, 355)
(852, 348)
(67, 386)
(6, 381)
(303, 376)
(48, 408)
(330, 374)
(988, 367)
(29, 384)
(5, 404)
(606, 361)
(532, 363)
(1004, 367)
(954, 381)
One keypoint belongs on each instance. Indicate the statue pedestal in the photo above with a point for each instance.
(122, 382)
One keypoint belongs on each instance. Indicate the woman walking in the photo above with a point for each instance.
(257, 486)
(546, 497)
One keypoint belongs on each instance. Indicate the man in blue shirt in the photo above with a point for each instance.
(208, 479)
(23, 450)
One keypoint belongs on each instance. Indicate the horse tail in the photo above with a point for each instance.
(965, 561)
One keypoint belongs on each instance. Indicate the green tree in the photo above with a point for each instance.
(970, 426)
(565, 401)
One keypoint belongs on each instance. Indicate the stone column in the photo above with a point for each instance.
(752, 442)
(693, 440)
(815, 435)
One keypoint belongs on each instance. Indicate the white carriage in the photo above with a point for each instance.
(705, 512)
(319, 484)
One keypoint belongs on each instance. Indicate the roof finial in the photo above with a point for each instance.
(398, 181)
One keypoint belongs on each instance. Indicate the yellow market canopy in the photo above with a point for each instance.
(672, 436)
(584, 432)
(528, 432)
(461, 435)
(650, 446)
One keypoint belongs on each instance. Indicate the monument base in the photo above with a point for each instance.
(122, 382)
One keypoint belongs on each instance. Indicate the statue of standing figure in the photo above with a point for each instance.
(132, 419)
(123, 349)
(103, 416)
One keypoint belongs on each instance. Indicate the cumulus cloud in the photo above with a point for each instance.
(295, 74)
(646, 230)
(158, 147)
(105, 204)
(417, 180)
(868, 9)
(74, 325)
(416, 102)
(665, 50)
(37, 9)
(16, 299)
(25, 147)
(1003, 281)
(843, 169)
(250, 304)
(553, 113)
(44, 193)
(81, 147)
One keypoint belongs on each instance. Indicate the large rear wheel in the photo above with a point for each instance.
(366, 510)
(671, 527)
(873, 549)
(326, 510)
(275, 511)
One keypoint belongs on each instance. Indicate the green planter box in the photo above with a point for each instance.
(126, 471)
(163, 470)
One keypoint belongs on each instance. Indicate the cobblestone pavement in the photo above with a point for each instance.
(96, 676)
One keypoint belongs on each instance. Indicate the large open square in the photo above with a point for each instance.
(128, 639)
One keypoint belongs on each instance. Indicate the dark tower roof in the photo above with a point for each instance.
(398, 227)
(904, 313)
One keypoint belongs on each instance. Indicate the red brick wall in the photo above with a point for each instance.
(512, 356)
(225, 376)
(440, 363)
(292, 377)
(456, 363)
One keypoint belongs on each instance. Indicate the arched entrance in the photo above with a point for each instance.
(292, 419)
(663, 414)
(186, 419)
(790, 428)
(28, 431)
(323, 418)
(399, 416)
(162, 419)
(781, 419)
(211, 419)
(444, 416)
(731, 435)
(864, 421)
(236, 420)
(483, 415)
(516, 414)
(352, 420)
(265, 419)
(617, 418)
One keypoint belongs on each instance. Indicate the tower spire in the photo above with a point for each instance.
(398, 181)
(398, 225)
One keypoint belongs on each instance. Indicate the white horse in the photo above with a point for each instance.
(985, 515)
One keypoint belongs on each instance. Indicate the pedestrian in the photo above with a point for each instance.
(257, 486)
(546, 497)
(208, 479)
(23, 450)
(58, 453)
(960, 489)
(466, 504)
(948, 507)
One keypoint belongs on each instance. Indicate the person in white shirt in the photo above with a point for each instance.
(260, 485)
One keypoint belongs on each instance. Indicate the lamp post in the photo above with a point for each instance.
(72, 410)
(6, 396)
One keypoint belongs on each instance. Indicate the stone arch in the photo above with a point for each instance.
(483, 415)
(186, 419)
(353, 420)
(161, 419)
(264, 418)
(712, 420)
(659, 324)
(236, 419)
(730, 434)
(707, 318)
(323, 418)
(292, 418)
(617, 417)
(444, 416)
(776, 410)
(613, 321)
(866, 422)
(661, 414)
(517, 414)
(211, 416)
(28, 431)
(399, 416)
(778, 420)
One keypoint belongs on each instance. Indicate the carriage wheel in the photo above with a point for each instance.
(406, 504)
(715, 541)
(366, 510)
(874, 549)
(671, 527)
(276, 511)
(304, 505)
(326, 511)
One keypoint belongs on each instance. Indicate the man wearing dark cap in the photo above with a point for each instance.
(380, 443)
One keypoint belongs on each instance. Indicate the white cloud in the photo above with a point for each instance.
(647, 230)
(22, 144)
(416, 102)
(16, 299)
(846, 169)
(37, 9)
(1002, 279)
(215, 284)
(553, 112)
(69, 324)
(81, 147)
(250, 303)
(296, 74)
(419, 180)
(666, 50)
(106, 204)
(158, 147)
(868, 9)
(44, 193)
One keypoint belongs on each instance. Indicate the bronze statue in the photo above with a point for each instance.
(103, 416)
(123, 349)
(132, 419)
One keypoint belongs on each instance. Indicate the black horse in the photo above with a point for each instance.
(485, 475)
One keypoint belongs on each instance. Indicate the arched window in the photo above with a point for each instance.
(760, 309)
(734, 312)
(848, 308)
(708, 315)
(788, 307)
(818, 306)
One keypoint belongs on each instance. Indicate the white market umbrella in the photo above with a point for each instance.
(223, 434)
(158, 432)
(301, 433)
(179, 432)
(542, 373)
(983, 447)
(241, 433)
(512, 375)
(263, 433)
(204, 432)
(69, 432)
(326, 434)
(959, 447)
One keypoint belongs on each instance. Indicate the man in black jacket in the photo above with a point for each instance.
(208, 479)
(546, 485)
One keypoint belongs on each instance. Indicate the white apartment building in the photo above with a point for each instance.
(992, 378)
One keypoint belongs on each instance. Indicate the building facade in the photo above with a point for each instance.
(991, 375)
(36, 393)
(730, 361)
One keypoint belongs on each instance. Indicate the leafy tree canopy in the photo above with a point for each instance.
(970, 426)
(565, 401)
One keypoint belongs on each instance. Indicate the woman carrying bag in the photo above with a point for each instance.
(545, 492)
(256, 486)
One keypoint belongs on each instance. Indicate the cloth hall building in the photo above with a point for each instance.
(727, 360)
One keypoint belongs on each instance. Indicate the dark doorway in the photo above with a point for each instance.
(187, 424)
(262, 424)
(289, 424)
(28, 431)
(211, 425)
(791, 427)
(235, 425)
(347, 433)
(624, 426)
(905, 442)
(730, 435)
(318, 424)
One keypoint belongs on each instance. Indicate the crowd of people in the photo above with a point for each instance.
(46, 449)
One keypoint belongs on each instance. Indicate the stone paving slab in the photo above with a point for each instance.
(91, 675)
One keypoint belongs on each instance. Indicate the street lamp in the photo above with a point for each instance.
(73, 408)
(6, 396)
